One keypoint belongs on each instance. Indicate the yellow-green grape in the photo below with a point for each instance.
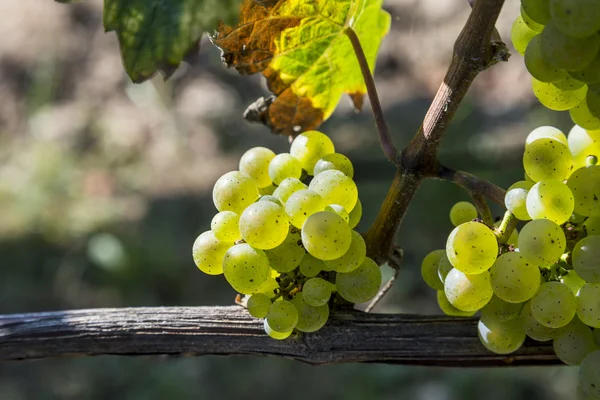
(514, 279)
(449, 309)
(577, 18)
(462, 212)
(554, 305)
(500, 337)
(225, 226)
(573, 342)
(326, 235)
(552, 200)
(255, 162)
(583, 143)
(537, 65)
(360, 285)
(335, 161)
(288, 187)
(429, 269)
(593, 99)
(267, 190)
(283, 166)
(316, 291)
(301, 205)
(444, 267)
(546, 132)
(592, 226)
(583, 117)
(501, 310)
(536, 26)
(274, 334)
(521, 34)
(472, 248)
(585, 185)
(336, 188)
(264, 225)
(589, 74)
(585, 258)
(513, 239)
(588, 304)
(208, 253)
(310, 318)
(287, 256)
(246, 268)
(258, 305)
(561, 95)
(353, 258)
(271, 285)
(309, 147)
(282, 316)
(573, 281)
(589, 375)
(339, 210)
(515, 199)
(547, 159)
(311, 266)
(533, 328)
(234, 191)
(468, 292)
(542, 242)
(537, 10)
(568, 52)
(355, 215)
(271, 198)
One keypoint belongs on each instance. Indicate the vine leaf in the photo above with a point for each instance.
(301, 49)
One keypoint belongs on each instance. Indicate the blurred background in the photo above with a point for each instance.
(104, 185)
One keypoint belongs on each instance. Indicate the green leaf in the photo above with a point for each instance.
(301, 48)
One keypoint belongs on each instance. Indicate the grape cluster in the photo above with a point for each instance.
(286, 241)
(560, 40)
(544, 281)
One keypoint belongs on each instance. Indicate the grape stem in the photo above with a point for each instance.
(473, 184)
(482, 208)
(506, 228)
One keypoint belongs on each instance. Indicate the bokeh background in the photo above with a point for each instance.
(104, 186)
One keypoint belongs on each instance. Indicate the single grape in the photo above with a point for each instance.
(554, 305)
(355, 215)
(521, 34)
(335, 161)
(583, 143)
(225, 226)
(462, 212)
(537, 10)
(310, 318)
(589, 374)
(258, 305)
(360, 285)
(516, 198)
(536, 26)
(568, 52)
(429, 269)
(542, 242)
(282, 316)
(316, 291)
(255, 163)
(573, 281)
(274, 334)
(589, 74)
(592, 226)
(583, 117)
(271, 285)
(546, 132)
(468, 292)
(560, 95)
(271, 198)
(593, 98)
(208, 253)
(264, 225)
(584, 259)
(234, 191)
(552, 200)
(514, 279)
(335, 188)
(339, 210)
(449, 309)
(573, 342)
(537, 65)
(309, 147)
(326, 236)
(547, 159)
(501, 310)
(588, 304)
(287, 188)
(284, 166)
(287, 256)
(353, 258)
(501, 337)
(533, 328)
(472, 248)
(444, 267)
(311, 266)
(246, 268)
(268, 190)
(576, 18)
(585, 185)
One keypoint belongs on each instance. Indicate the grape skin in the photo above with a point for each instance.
(264, 225)
(245, 268)
(283, 166)
(589, 374)
(448, 309)
(255, 163)
(468, 292)
(353, 258)
(554, 305)
(560, 95)
(429, 269)
(287, 188)
(462, 212)
(533, 328)
(576, 18)
(316, 291)
(585, 185)
(472, 248)
(500, 337)
(551, 200)
(355, 215)
(311, 266)
(282, 316)
(326, 236)
(360, 285)
(335, 188)
(301, 205)
(208, 253)
(501, 310)
(515, 199)
(568, 52)
(521, 35)
(335, 161)
(310, 318)
(514, 279)
(225, 226)
(573, 342)
(287, 256)
(274, 334)
(588, 304)
(546, 159)
(542, 242)
(258, 305)
(309, 147)
(546, 132)
(585, 256)
(234, 191)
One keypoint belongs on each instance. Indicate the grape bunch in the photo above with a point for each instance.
(560, 40)
(543, 281)
(286, 240)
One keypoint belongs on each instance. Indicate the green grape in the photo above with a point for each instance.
(531, 23)
(326, 235)
(585, 256)
(282, 316)
(264, 225)
(271, 198)
(592, 226)
(255, 163)
(515, 199)
(514, 279)
(513, 239)
(339, 210)
(537, 65)
(208, 253)
(581, 395)
(225, 226)
(561, 95)
(336, 188)
(593, 99)
(309, 147)
(589, 374)
(267, 190)
(449, 309)
(542, 242)
(533, 328)
(568, 52)
(271, 285)
(501, 337)
(355, 215)
(429, 269)
(353, 258)
(444, 267)
(577, 18)
(274, 334)
(234, 191)
(585, 185)
(588, 304)
(287, 256)
(462, 212)
(547, 159)
(552, 200)
(521, 34)
(573, 281)
(589, 74)
(472, 248)
(546, 132)
(554, 305)
(583, 117)
(501, 310)
(288, 187)
(316, 291)
(596, 333)
(284, 166)
(360, 285)
(335, 161)
(311, 266)
(583, 143)
(468, 292)
(573, 342)
(537, 10)
(310, 318)
(246, 268)
(258, 305)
